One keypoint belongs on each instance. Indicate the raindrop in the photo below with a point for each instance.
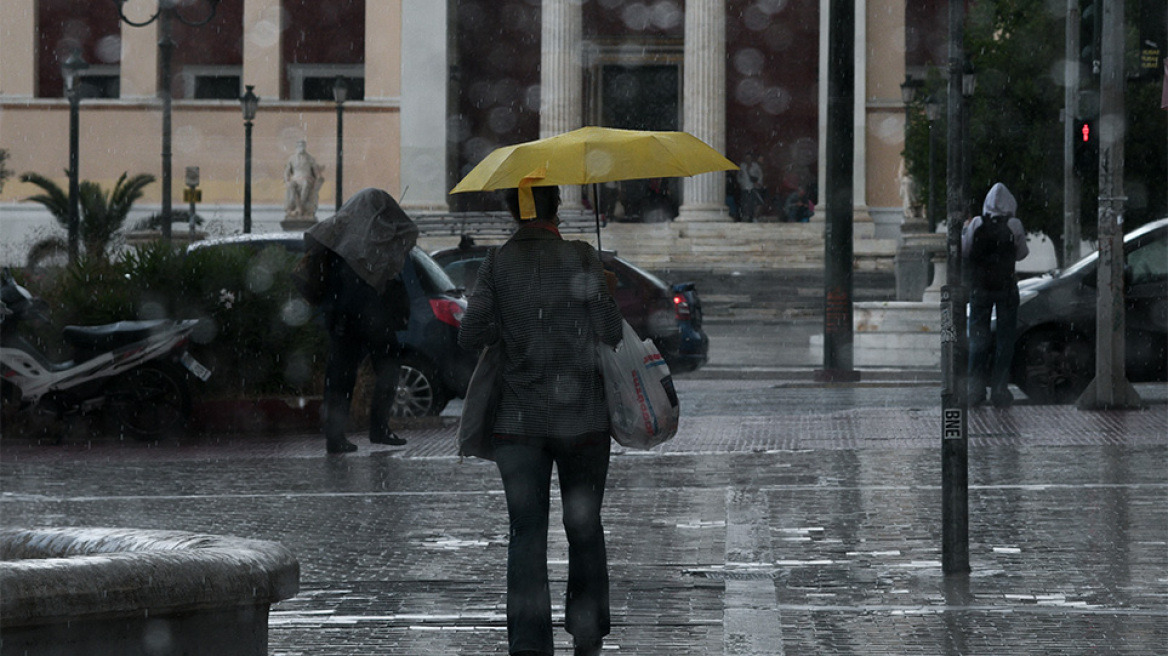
(259, 279)
(754, 18)
(151, 310)
(505, 91)
(531, 101)
(776, 100)
(667, 15)
(749, 61)
(188, 139)
(636, 16)
(296, 312)
(205, 331)
(109, 49)
(771, 6)
(749, 91)
(501, 120)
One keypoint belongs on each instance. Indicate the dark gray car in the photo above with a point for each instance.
(1055, 356)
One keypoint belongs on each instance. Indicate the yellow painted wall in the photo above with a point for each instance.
(120, 136)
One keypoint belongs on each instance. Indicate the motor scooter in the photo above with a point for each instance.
(137, 372)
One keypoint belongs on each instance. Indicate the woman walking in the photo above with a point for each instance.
(545, 299)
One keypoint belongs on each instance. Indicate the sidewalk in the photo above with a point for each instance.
(810, 529)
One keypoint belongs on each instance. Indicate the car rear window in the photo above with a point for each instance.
(434, 280)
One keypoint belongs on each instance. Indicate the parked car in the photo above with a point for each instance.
(1054, 360)
(434, 367)
(670, 315)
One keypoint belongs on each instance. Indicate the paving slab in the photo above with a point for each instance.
(811, 528)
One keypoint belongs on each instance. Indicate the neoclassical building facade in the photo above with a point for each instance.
(435, 85)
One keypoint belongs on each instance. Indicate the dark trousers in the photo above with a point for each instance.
(526, 467)
(347, 348)
(983, 343)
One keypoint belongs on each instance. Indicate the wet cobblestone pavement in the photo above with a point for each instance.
(812, 529)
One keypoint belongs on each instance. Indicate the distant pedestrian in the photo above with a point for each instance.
(547, 302)
(799, 208)
(990, 245)
(752, 193)
(366, 303)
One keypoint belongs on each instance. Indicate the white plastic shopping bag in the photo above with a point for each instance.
(642, 404)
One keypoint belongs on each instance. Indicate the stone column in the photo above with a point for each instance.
(863, 228)
(17, 48)
(424, 77)
(139, 66)
(561, 76)
(704, 105)
(261, 47)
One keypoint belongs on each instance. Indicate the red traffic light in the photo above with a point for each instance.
(1086, 131)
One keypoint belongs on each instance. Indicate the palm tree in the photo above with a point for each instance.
(102, 214)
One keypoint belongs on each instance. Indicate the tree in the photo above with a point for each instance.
(1015, 131)
(102, 213)
(4, 172)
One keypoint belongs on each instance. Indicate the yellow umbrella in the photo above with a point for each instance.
(590, 155)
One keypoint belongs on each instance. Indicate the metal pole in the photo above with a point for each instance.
(74, 172)
(165, 50)
(1110, 388)
(837, 315)
(932, 210)
(340, 152)
(1071, 234)
(954, 364)
(247, 176)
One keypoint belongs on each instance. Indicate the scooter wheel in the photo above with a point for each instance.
(149, 402)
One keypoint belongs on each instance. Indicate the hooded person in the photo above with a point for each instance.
(991, 244)
(365, 304)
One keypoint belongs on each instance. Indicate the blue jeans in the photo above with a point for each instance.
(983, 343)
(525, 464)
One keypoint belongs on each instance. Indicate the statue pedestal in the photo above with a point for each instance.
(912, 263)
(296, 224)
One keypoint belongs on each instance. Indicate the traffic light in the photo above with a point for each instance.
(1086, 148)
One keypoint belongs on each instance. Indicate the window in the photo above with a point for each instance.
(315, 81)
(212, 82)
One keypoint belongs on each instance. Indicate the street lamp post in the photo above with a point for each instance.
(340, 93)
(71, 68)
(165, 15)
(932, 113)
(248, 101)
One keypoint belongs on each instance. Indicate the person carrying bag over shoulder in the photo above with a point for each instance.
(545, 303)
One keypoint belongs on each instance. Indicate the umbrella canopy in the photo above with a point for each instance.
(371, 233)
(591, 155)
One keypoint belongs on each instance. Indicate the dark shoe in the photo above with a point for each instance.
(1002, 399)
(391, 439)
(340, 445)
(591, 648)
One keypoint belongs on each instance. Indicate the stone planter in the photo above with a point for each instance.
(100, 591)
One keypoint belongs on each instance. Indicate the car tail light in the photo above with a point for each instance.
(681, 307)
(448, 311)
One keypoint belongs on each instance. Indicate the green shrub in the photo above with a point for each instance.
(254, 332)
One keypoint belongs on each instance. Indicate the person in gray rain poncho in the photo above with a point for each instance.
(991, 244)
(366, 303)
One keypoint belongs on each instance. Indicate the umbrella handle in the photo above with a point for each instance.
(596, 211)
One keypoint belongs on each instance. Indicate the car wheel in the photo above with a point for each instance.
(1054, 366)
(418, 391)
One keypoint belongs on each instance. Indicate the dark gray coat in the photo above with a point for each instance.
(553, 308)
